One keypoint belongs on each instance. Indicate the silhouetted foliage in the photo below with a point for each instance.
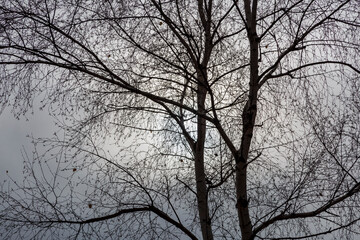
(185, 119)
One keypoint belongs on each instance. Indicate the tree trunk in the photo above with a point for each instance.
(201, 188)
(248, 121)
(202, 193)
(249, 115)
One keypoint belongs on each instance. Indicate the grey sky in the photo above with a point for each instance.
(13, 139)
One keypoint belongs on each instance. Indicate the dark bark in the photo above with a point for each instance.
(248, 121)
(202, 196)
(200, 174)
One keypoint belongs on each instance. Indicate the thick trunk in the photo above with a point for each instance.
(242, 202)
(201, 188)
(200, 175)
(248, 121)
(249, 115)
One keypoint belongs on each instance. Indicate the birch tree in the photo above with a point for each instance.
(185, 119)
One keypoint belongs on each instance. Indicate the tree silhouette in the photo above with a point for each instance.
(198, 119)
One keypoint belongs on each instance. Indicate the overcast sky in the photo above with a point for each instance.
(13, 139)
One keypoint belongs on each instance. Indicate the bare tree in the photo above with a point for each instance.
(198, 119)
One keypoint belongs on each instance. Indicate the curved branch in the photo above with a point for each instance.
(313, 64)
(263, 77)
(355, 189)
(317, 234)
(152, 209)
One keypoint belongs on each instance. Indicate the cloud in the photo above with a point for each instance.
(14, 140)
